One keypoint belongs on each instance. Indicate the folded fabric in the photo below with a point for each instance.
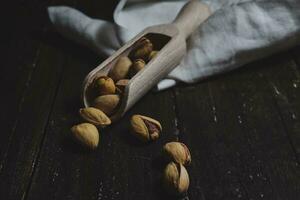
(238, 32)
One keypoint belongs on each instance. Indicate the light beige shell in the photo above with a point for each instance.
(177, 152)
(104, 85)
(142, 49)
(137, 66)
(176, 179)
(95, 116)
(141, 130)
(87, 134)
(107, 103)
(152, 55)
(120, 69)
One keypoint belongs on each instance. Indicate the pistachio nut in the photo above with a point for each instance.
(121, 84)
(120, 69)
(152, 55)
(104, 85)
(142, 49)
(177, 152)
(145, 128)
(176, 179)
(87, 134)
(137, 66)
(94, 116)
(107, 103)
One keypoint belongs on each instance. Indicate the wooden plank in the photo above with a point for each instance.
(238, 139)
(15, 79)
(27, 132)
(121, 168)
(215, 168)
(29, 77)
(285, 84)
(19, 54)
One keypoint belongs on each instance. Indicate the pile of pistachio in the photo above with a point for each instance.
(107, 91)
(176, 178)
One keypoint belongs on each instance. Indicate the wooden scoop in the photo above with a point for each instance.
(170, 39)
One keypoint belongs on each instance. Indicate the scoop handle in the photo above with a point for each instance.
(192, 14)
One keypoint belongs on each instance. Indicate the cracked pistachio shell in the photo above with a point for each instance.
(95, 116)
(107, 103)
(176, 179)
(152, 55)
(142, 49)
(120, 69)
(177, 152)
(104, 85)
(87, 134)
(145, 128)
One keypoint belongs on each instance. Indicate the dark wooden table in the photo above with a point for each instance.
(242, 128)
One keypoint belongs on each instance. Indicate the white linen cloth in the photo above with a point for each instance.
(238, 32)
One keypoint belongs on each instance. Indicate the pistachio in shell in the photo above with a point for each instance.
(87, 134)
(177, 152)
(152, 55)
(176, 179)
(145, 128)
(104, 85)
(95, 116)
(120, 69)
(137, 66)
(107, 103)
(142, 49)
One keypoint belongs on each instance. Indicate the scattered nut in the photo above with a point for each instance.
(177, 152)
(107, 103)
(137, 66)
(142, 49)
(104, 85)
(120, 69)
(145, 128)
(95, 116)
(152, 55)
(176, 179)
(87, 134)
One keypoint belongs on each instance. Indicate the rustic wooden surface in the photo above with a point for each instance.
(243, 128)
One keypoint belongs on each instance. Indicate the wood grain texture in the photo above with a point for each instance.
(244, 137)
(34, 73)
(242, 127)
